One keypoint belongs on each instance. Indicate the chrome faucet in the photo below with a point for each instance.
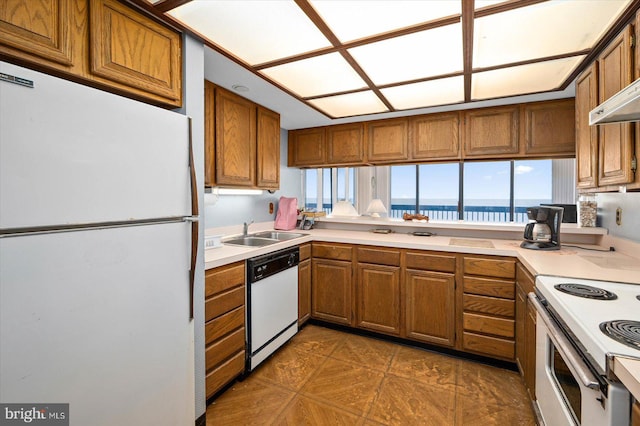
(245, 228)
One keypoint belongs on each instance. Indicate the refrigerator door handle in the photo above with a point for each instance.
(195, 224)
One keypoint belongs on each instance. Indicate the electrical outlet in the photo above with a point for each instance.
(619, 216)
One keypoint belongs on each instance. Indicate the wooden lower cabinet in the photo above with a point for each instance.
(332, 290)
(304, 284)
(526, 329)
(378, 298)
(430, 307)
(224, 325)
(488, 321)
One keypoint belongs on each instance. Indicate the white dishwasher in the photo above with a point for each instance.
(273, 303)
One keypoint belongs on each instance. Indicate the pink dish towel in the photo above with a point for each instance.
(287, 215)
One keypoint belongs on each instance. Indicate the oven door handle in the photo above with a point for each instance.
(564, 346)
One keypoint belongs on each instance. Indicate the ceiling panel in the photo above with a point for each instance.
(254, 31)
(350, 104)
(523, 79)
(442, 91)
(317, 76)
(414, 56)
(351, 20)
(541, 30)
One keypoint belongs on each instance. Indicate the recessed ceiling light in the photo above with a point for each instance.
(240, 88)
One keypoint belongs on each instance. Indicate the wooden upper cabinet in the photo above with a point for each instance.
(235, 140)
(491, 132)
(129, 48)
(209, 133)
(307, 147)
(548, 128)
(103, 43)
(268, 149)
(586, 136)
(39, 28)
(435, 136)
(387, 140)
(345, 144)
(615, 71)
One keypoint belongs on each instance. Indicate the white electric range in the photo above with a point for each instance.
(574, 384)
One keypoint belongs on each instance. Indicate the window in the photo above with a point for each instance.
(487, 191)
(403, 190)
(438, 188)
(324, 187)
(491, 191)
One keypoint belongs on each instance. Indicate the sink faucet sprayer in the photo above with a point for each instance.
(245, 228)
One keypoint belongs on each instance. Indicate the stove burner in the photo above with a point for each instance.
(624, 331)
(586, 291)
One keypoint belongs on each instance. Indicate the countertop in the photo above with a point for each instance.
(567, 262)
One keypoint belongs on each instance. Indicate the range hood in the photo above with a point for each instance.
(622, 107)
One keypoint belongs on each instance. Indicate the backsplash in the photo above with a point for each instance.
(236, 209)
(630, 205)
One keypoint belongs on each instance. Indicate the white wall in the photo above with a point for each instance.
(630, 205)
(235, 209)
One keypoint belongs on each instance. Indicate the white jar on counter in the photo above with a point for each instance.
(587, 210)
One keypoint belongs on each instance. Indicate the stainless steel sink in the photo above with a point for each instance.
(251, 241)
(276, 235)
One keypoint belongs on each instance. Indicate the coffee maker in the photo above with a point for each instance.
(543, 230)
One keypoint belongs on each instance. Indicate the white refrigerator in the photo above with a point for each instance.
(97, 217)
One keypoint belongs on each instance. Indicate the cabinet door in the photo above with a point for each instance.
(268, 149)
(615, 140)
(491, 132)
(131, 49)
(304, 291)
(332, 290)
(387, 140)
(209, 134)
(586, 136)
(430, 307)
(521, 316)
(548, 128)
(39, 28)
(435, 136)
(235, 140)
(378, 298)
(307, 148)
(530, 345)
(345, 144)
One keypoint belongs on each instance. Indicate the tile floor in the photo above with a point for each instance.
(327, 377)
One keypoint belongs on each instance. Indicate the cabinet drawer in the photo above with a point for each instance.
(489, 287)
(493, 346)
(501, 268)
(489, 305)
(430, 262)
(223, 325)
(223, 303)
(379, 256)
(305, 251)
(223, 278)
(224, 348)
(222, 375)
(489, 325)
(332, 251)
